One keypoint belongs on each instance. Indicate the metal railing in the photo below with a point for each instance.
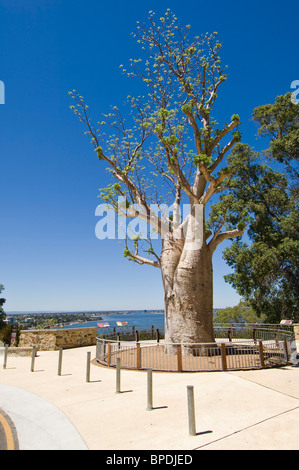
(239, 332)
(132, 333)
(231, 332)
(235, 348)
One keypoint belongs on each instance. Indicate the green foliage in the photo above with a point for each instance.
(266, 269)
(241, 313)
(235, 117)
(280, 122)
(237, 136)
(2, 313)
(202, 158)
(127, 253)
(5, 334)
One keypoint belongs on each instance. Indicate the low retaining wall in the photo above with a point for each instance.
(51, 340)
(13, 351)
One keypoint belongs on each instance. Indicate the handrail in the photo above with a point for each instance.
(233, 332)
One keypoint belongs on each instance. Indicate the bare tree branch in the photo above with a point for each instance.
(220, 237)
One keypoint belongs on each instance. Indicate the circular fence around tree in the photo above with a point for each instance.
(236, 347)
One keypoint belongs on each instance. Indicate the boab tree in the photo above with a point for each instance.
(169, 144)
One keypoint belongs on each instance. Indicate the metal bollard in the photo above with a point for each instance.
(117, 375)
(191, 410)
(33, 358)
(158, 335)
(60, 361)
(5, 356)
(149, 389)
(88, 367)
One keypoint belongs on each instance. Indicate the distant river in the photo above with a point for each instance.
(134, 318)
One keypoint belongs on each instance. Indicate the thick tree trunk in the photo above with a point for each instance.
(188, 292)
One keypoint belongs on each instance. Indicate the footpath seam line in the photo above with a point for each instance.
(247, 427)
(265, 386)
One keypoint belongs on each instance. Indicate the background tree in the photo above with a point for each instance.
(241, 313)
(5, 334)
(266, 267)
(280, 123)
(2, 313)
(169, 149)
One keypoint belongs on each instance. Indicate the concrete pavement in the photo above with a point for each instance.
(244, 410)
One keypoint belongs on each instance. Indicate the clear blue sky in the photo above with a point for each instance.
(50, 258)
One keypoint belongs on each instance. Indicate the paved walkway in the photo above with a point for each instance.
(248, 410)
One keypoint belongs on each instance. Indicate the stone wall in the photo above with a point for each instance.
(50, 340)
(16, 351)
(296, 330)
